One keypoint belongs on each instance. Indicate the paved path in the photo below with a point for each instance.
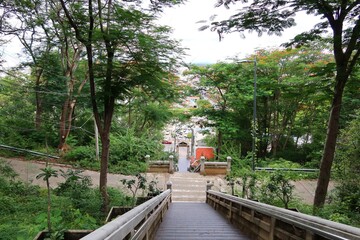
(183, 162)
(186, 186)
(196, 221)
(28, 170)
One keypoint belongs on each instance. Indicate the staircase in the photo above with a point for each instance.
(191, 187)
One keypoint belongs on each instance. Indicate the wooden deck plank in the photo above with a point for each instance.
(187, 220)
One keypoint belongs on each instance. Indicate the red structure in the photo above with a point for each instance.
(207, 152)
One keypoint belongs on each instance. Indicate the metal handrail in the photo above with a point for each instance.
(196, 169)
(319, 226)
(15, 149)
(133, 224)
(286, 169)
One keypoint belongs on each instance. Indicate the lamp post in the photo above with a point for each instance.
(254, 111)
(254, 117)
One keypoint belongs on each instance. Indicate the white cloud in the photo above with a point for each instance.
(205, 46)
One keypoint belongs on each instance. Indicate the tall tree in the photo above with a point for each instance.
(124, 48)
(26, 20)
(342, 17)
(221, 81)
(44, 34)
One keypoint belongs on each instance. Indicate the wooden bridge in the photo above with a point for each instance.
(221, 217)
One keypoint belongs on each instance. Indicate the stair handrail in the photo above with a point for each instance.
(325, 228)
(134, 223)
(197, 168)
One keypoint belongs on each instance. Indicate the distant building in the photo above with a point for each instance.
(191, 102)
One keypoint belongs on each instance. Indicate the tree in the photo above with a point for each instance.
(342, 17)
(25, 21)
(55, 54)
(134, 185)
(223, 83)
(347, 162)
(279, 186)
(46, 174)
(281, 73)
(281, 106)
(124, 49)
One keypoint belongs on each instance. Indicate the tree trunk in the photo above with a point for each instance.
(219, 144)
(105, 143)
(49, 205)
(65, 123)
(39, 111)
(39, 108)
(330, 144)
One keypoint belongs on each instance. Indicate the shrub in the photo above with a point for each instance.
(278, 187)
(128, 168)
(81, 153)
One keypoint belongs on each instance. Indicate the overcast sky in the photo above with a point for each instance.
(204, 46)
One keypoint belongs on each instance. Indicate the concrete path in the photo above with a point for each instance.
(28, 170)
(183, 162)
(187, 186)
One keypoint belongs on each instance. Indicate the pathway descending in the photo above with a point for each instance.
(183, 162)
(191, 187)
(195, 221)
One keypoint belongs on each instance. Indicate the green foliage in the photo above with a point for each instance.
(134, 185)
(7, 171)
(118, 198)
(83, 157)
(246, 180)
(81, 153)
(47, 173)
(128, 151)
(78, 189)
(128, 168)
(277, 187)
(75, 206)
(153, 188)
(286, 119)
(347, 165)
(338, 212)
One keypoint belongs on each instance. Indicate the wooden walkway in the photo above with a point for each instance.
(187, 220)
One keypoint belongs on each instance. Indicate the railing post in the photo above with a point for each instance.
(209, 185)
(202, 165)
(171, 164)
(169, 185)
(228, 168)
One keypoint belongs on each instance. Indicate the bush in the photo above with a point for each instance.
(128, 168)
(75, 206)
(81, 153)
(132, 148)
(347, 165)
(128, 151)
(78, 189)
(278, 187)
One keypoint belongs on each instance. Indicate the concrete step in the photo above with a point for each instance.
(188, 187)
(199, 188)
(188, 199)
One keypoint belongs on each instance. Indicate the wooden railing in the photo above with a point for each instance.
(139, 223)
(160, 166)
(262, 221)
(215, 168)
